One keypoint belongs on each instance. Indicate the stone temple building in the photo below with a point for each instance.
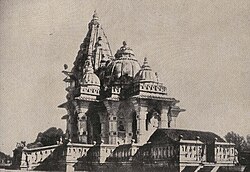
(120, 117)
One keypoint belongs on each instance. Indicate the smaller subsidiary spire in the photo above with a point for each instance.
(89, 78)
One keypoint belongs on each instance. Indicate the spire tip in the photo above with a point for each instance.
(95, 16)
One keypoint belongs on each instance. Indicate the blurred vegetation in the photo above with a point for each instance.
(49, 137)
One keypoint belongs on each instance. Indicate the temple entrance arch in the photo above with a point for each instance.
(94, 127)
(152, 120)
(126, 122)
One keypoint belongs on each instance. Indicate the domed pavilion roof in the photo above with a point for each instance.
(89, 77)
(124, 65)
(90, 83)
(146, 74)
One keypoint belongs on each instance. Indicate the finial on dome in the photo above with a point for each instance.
(124, 50)
(124, 47)
(95, 16)
(145, 63)
(124, 43)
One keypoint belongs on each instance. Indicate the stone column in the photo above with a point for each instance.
(82, 125)
(24, 163)
(68, 126)
(129, 132)
(70, 160)
(104, 126)
(112, 109)
(141, 113)
(82, 122)
(70, 167)
(163, 123)
(112, 129)
(72, 121)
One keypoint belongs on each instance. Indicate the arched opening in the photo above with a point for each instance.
(152, 119)
(94, 128)
(134, 126)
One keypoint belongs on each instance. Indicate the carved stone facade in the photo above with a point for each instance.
(113, 98)
(120, 118)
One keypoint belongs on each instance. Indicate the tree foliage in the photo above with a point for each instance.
(49, 137)
(239, 141)
(248, 140)
(4, 158)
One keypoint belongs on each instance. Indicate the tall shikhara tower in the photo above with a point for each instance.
(114, 99)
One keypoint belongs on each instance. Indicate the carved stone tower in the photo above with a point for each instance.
(113, 99)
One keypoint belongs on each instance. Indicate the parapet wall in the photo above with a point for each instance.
(127, 157)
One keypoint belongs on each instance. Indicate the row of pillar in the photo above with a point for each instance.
(167, 120)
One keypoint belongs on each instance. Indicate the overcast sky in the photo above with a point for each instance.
(200, 50)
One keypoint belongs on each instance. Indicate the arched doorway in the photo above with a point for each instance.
(94, 127)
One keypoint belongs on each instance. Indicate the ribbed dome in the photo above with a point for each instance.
(89, 77)
(124, 64)
(146, 74)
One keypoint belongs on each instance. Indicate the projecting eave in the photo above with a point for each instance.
(64, 105)
(65, 116)
(68, 73)
(157, 97)
(67, 79)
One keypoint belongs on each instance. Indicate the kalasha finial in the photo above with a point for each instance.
(145, 63)
(124, 47)
(124, 43)
(95, 16)
(124, 50)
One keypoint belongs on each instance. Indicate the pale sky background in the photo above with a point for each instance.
(199, 48)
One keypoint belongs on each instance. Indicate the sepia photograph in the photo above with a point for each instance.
(125, 85)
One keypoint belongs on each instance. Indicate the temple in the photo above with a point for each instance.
(120, 117)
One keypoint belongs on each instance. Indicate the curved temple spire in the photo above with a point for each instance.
(95, 45)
